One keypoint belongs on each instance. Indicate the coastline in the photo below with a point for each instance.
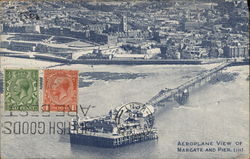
(50, 58)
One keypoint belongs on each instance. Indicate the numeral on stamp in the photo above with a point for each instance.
(21, 90)
(60, 90)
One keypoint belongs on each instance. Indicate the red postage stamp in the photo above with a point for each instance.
(60, 91)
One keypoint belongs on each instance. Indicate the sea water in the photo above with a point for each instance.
(214, 112)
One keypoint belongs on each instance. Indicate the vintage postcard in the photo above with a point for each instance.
(134, 79)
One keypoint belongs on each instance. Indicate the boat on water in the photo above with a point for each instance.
(127, 124)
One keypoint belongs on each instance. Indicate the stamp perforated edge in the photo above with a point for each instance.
(77, 86)
(3, 70)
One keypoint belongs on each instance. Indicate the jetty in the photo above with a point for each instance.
(181, 93)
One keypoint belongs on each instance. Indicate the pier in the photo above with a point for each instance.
(181, 93)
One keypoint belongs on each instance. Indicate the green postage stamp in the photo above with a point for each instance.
(21, 88)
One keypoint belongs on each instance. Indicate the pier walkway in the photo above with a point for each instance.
(170, 94)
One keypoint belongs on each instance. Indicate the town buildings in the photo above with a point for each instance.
(176, 29)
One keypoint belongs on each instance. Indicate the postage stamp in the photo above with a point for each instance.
(21, 90)
(60, 90)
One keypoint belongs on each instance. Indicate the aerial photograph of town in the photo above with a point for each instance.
(149, 79)
(74, 31)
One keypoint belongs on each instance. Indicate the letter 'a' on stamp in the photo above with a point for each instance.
(21, 89)
(60, 92)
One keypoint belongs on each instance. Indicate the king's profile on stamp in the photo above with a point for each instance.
(60, 90)
(21, 89)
